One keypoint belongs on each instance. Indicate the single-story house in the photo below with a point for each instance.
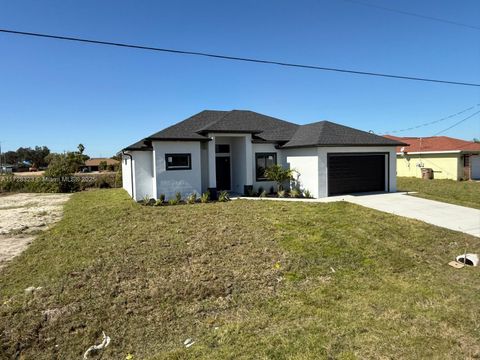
(449, 158)
(229, 150)
(93, 164)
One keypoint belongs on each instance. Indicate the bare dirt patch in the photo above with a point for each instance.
(22, 216)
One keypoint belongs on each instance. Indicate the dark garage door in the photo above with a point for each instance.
(352, 173)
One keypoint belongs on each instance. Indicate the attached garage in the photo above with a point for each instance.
(357, 172)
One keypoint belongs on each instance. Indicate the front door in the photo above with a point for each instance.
(223, 172)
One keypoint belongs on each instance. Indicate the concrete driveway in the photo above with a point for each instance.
(454, 217)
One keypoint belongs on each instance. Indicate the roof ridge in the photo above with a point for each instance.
(227, 112)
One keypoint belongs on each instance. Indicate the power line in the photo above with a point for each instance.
(457, 123)
(432, 18)
(234, 58)
(432, 122)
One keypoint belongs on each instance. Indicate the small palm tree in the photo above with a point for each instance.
(278, 174)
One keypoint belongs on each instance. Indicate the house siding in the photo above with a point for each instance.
(172, 181)
(142, 166)
(445, 166)
(305, 162)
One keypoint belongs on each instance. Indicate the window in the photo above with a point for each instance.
(263, 161)
(466, 160)
(178, 161)
(222, 148)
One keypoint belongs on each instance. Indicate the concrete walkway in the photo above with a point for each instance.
(453, 217)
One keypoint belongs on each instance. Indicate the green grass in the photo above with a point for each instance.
(244, 279)
(464, 193)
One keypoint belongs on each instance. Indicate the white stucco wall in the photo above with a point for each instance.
(142, 166)
(323, 170)
(264, 148)
(143, 171)
(127, 174)
(171, 181)
(305, 162)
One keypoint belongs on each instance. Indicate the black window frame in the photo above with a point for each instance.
(181, 167)
(264, 155)
(218, 147)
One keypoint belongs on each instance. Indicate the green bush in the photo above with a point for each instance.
(295, 193)
(192, 198)
(173, 202)
(205, 197)
(223, 196)
(178, 196)
(307, 194)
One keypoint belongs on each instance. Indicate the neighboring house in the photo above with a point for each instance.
(229, 150)
(93, 164)
(448, 157)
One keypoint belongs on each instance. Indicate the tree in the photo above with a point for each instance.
(81, 148)
(10, 157)
(476, 140)
(278, 174)
(102, 165)
(34, 156)
(61, 168)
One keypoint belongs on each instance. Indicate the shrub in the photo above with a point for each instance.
(278, 174)
(295, 193)
(178, 196)
(145, 200)
(161, 198)
(307, 194)
(205, 197)
(251, 192)
(223, 196)
(260, 189)
(158, 203)
(281, 193)
(263, 194)
(192, 198)
(173, 202)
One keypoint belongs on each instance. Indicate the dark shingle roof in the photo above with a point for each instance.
(265, 128)
(326, 133)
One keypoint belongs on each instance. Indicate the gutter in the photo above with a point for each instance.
(131, 167)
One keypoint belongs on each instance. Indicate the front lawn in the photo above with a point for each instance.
(243, 280)
(464, 193)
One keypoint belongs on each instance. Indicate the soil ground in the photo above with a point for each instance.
(22, 216)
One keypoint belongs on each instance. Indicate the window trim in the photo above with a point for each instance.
(217, 147)
(183, 167)
(263, 154)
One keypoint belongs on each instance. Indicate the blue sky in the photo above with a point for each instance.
(60, 94)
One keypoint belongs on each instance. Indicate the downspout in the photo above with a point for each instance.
(131, 168)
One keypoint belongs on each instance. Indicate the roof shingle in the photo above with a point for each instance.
(264, 128)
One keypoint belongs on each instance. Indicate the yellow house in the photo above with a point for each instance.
(449, 158)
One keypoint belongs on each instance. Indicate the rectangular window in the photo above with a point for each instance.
(263, 161)
(178, 161)
(466, 160)
(222, 149)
